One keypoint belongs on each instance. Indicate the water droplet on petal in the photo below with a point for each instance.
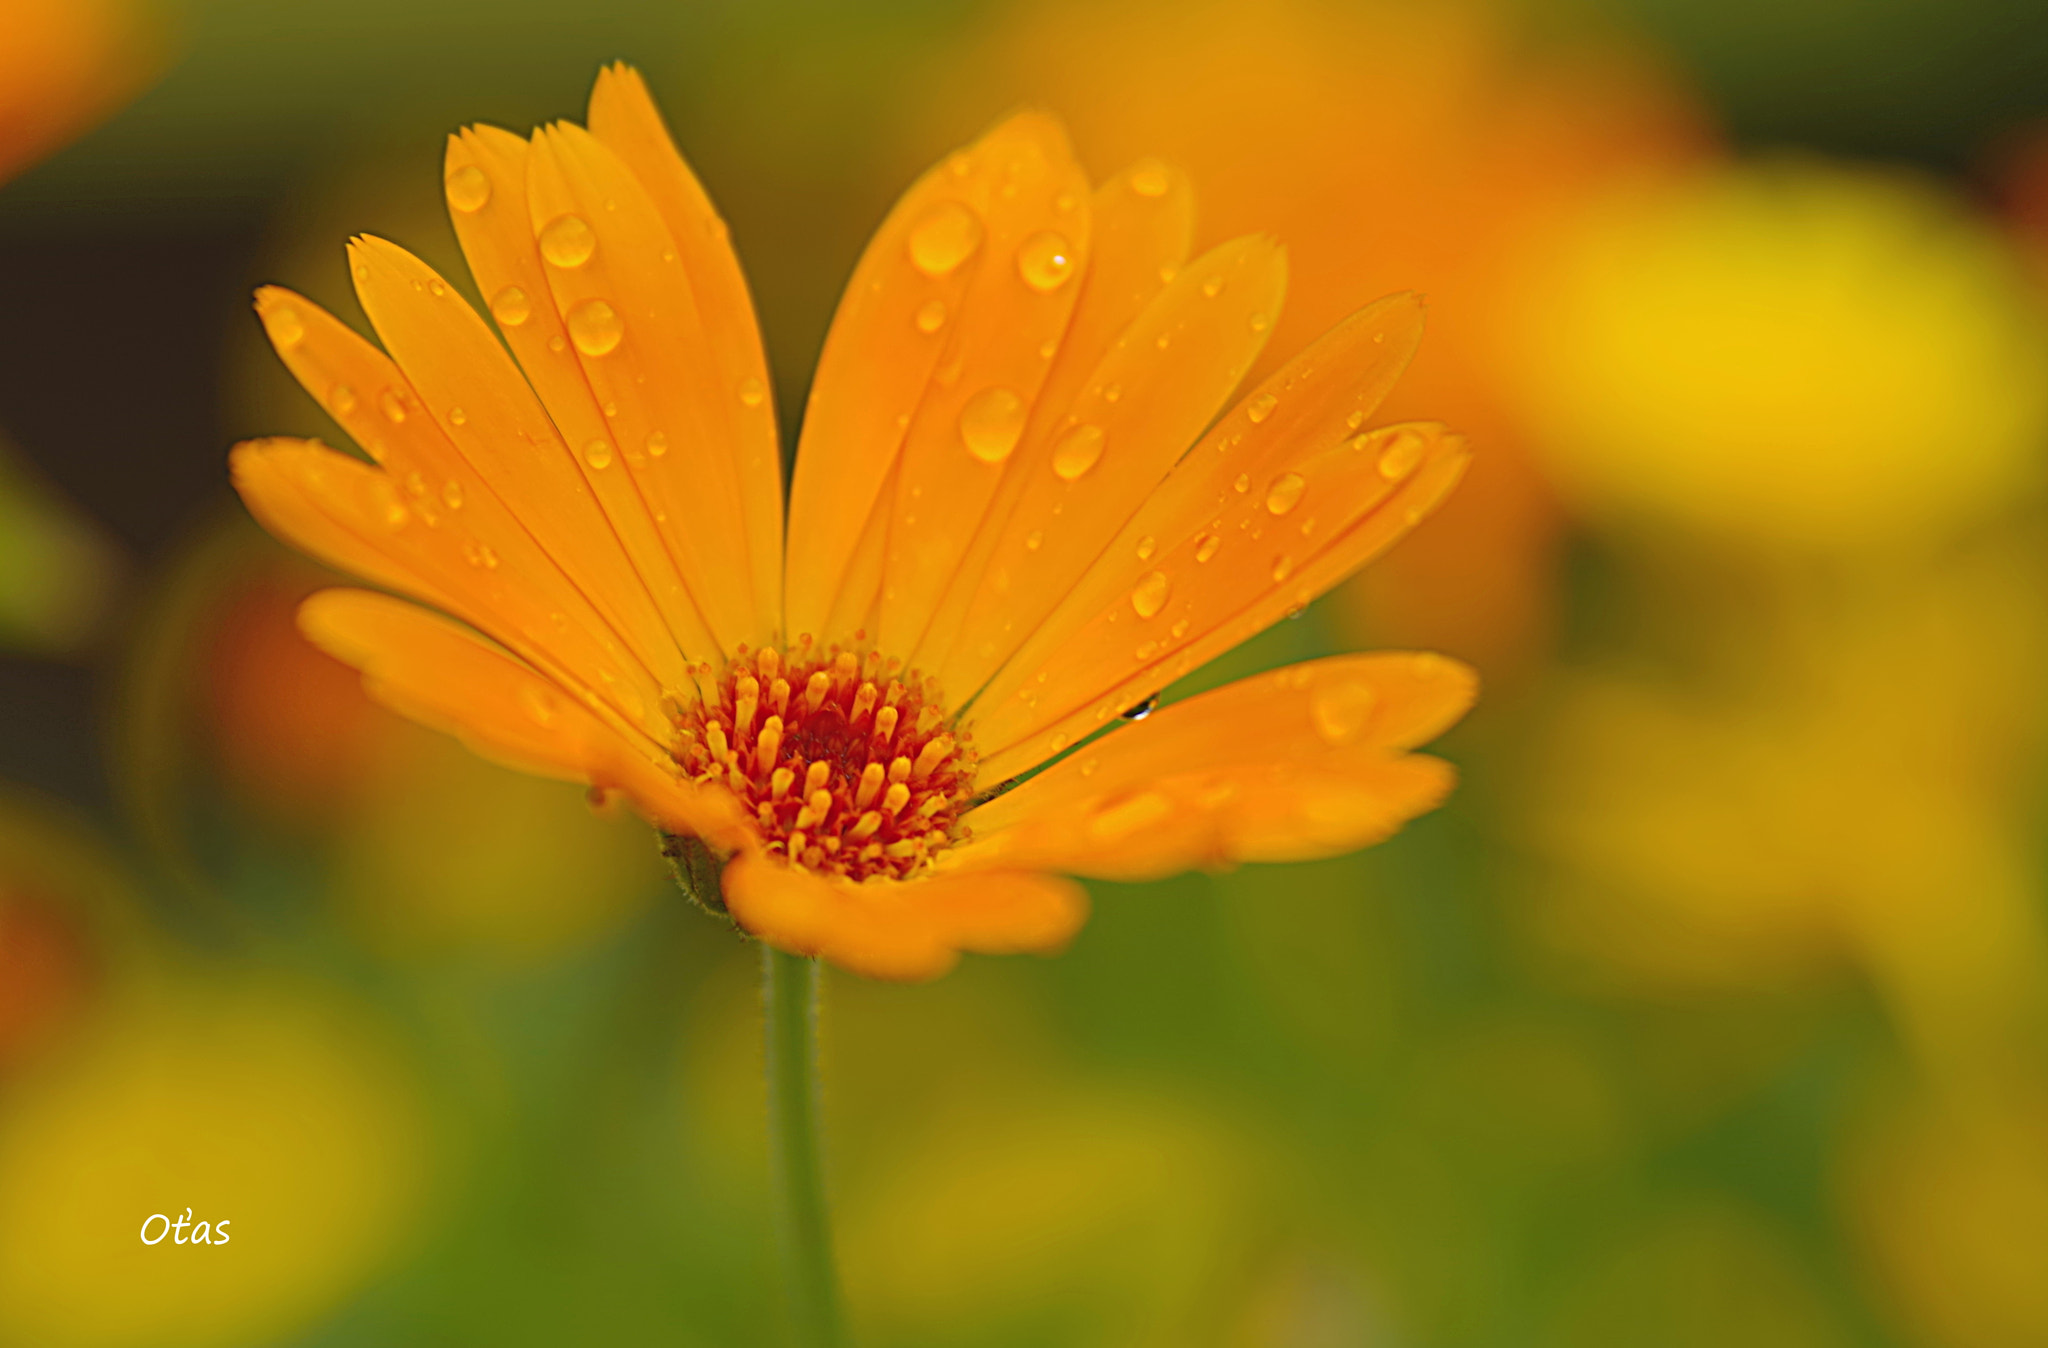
(1142, 710)
(511, 307)
(393, 405)
(1206, 546)
(1401, 455)
(1341, 710)
(1262, 407)
(657, 444)
(946, 237)
(1077, 451)
(1111, 392)
(596, 328)
(1283, 567)
(469, 189)
(555, 343)
(452, 494)
(457, 417)
(342, 399)
(1045, 260)
(1151, 179)
(1355, 420)
(598, 454)
(539, 703)
(1259, 322)
(932, 316)
(567, 241)
(439, 291)
(1034, 540)
(1048, 348)
(1243, 483)
(990, 424)
(1149, 596)
(285, 327)
(752, 392)
(1285, 493)
(1212, 287)
(1146, 547)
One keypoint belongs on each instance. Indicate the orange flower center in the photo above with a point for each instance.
(846, 769)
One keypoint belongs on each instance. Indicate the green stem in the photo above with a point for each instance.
(789, 994)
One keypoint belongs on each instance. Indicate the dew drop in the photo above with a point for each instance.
(1283, 567)
(342, 399)
(1355, 420)
(452, 494)
(932, 316)
(1146, 650)
(1111, 392)
(1151, 179)
(1048, 348)
(1212, 287)
(946, 237)
(439, 291)
(1034, 540)
(416, 484)
(1045, 260)
(1077, 451)
(598, 454)
(1285, 493)
(1206, 546)
(393, 405)
(285, 327)
(469, 189)
(1243, 483)
(555, 343)
(539, 703)
(752, 392)
(567, 241)
(511, 307)
(1146, 547)
(990, 424)
(657, 444)
(1341, 710)
(1259, 322)
(1262, 407)
(596, 328)
(1149, 596)
(1178, 630)
(1401, 455)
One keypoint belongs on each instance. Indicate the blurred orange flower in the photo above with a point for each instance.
(995, 488)
(63, 63)
(1392, 145)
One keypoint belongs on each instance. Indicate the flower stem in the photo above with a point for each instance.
(789, 993)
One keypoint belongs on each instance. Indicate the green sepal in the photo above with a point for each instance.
(698, 870)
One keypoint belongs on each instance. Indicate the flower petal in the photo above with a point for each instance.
(1282, 499)
(1148, 398)
(1304, 762)
(942, 321)
(913, 929)
(432, 671)
(638, 333)
(473, 393)
(624, 119)
(475, 562)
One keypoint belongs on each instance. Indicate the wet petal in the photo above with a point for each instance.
(1304, 762)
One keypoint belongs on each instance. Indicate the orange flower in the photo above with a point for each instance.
(999, 536)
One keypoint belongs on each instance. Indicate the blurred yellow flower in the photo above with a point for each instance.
(1000, 535)
(1393, 146)
(271, 1111)
(1792, 355)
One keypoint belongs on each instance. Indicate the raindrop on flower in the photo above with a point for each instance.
(1149, 596)
(285, 327)
(1341, 710)
(342, 399)
(1146, 547)
(1283, 567)
(1151, 179)
(946, 237)
(567, 241)
(393, 405)
(990, 424)
(598, 454)
(932, 316)
(457, 417)
(657, 444)
(469, 189)
(1262, 407)
(1285, 493)
(1076, 451)
(1045, 260)
(1401, 455)
(511, 307)
(1206, 546)
(596, 328)
(752, 394)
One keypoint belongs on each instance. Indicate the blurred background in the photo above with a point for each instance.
(1713, 1009)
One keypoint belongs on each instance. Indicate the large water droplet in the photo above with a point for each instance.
(285, 327)
(511, 307)
(1401, 455)
(393, 405)
(946, 237)
(598, 454)
(567, 241)
(1285, 493)
(1077, 451)
(932, 316)
(469, 188)
(752, 392)
(1341, 710)
(596, 328)
(1149, 595)
(1151, 179)
(991, 423)
(1262, 407)
(1045, 260)
(657, 444)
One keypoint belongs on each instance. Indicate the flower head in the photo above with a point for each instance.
(1020, 508)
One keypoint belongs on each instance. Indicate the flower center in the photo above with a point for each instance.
(846, 768)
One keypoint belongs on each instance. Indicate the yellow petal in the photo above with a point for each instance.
(913, 929)
(430, 670)
(474, 561)
(1147, 400)
(638, 335)
(941, 315)
(1280, 501)
(1304, 762)
(624, 119)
